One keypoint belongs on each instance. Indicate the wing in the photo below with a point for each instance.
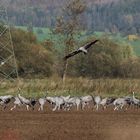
(90, 44)
(71, 54)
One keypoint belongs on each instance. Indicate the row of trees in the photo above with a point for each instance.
(122, 16)
(105, 59)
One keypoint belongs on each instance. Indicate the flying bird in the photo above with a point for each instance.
(81, 49)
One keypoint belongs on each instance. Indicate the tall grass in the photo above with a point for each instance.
(73, 86)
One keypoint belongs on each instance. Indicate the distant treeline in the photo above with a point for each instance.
(122, 16)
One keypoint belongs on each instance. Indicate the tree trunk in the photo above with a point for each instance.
(65, 71)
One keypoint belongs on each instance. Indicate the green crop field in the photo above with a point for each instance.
(136, 47)
(46, 32)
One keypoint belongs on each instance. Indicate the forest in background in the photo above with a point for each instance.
(107, 16)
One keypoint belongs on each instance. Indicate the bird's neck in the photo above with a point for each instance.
(133, 96)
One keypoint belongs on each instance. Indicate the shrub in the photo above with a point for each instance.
(32, 58)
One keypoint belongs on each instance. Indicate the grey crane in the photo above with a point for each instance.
(82, 49)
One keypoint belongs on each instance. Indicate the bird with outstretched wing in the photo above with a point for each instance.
(81, 49)
(90, 44)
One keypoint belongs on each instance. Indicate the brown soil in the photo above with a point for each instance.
(72, 125)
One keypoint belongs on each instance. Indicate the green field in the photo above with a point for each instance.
(73, 86)
(57, 39)
(46, 32)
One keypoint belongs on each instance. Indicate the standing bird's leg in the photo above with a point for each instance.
(77, 107)
(54, 108)
(97, 107)
(27, 106)
(13, 107)
(83, 105)
(121, 106)
(58, 107)
(41, 107)
(116, 107)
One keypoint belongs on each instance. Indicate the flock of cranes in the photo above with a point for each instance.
(67, 102)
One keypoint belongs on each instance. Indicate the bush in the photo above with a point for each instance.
(32, 58)
(103, 60)
(130, 68)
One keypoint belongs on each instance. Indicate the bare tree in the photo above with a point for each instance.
(69, 24)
